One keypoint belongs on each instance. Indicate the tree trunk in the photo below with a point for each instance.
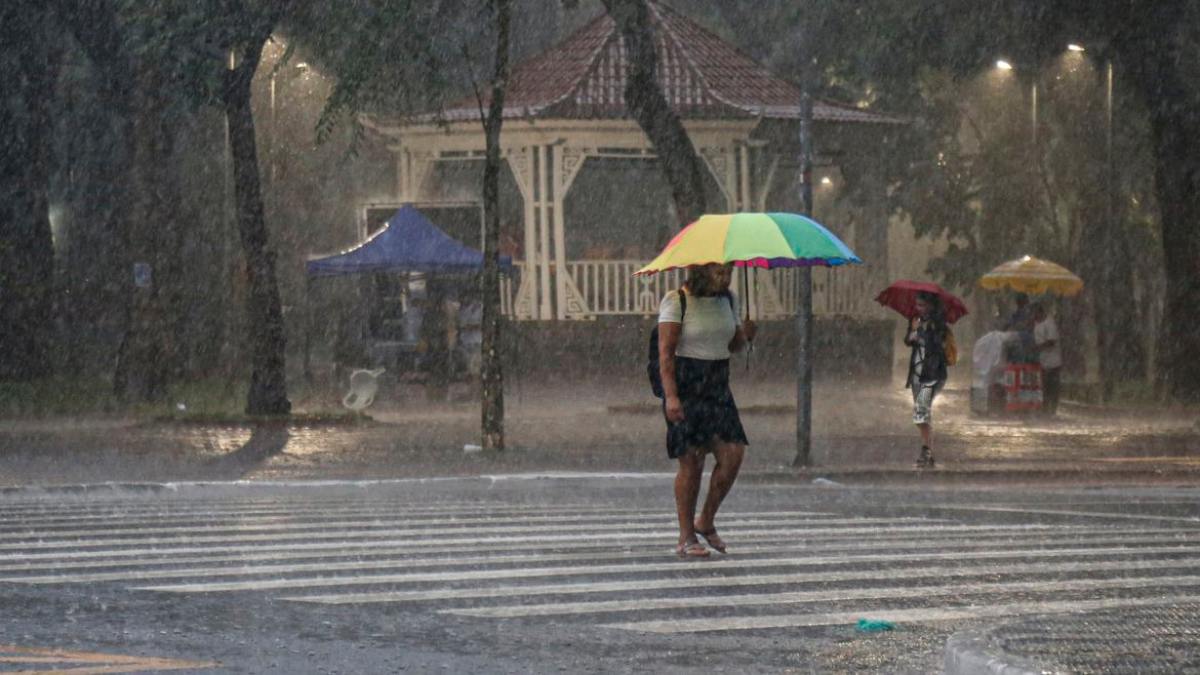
(102, 291)
(1158, 72)
(491, 374)
(30, 64)
(264, 315)
(676, 154)
(1155, 58)
(1177, 175)
(148, 354)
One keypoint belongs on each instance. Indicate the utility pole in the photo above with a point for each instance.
(804, 308)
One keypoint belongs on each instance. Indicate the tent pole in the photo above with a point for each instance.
(308, 326)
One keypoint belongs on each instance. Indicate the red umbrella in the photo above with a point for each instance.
(902, 297)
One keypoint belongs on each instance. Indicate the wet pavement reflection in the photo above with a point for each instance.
(612, 425)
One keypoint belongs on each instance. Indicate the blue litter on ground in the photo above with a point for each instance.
(875, 625)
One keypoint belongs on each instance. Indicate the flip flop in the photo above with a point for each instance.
(691, 549)
(713, 539)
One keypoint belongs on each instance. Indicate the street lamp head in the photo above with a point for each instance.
(1001, 64)
(1075, 47)
(826, 180)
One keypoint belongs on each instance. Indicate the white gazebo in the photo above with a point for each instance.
(565, 108)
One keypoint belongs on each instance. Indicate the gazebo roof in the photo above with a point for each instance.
(702, 76)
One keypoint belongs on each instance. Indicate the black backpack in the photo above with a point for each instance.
(652, 370)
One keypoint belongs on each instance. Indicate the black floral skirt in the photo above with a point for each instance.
(708, 407)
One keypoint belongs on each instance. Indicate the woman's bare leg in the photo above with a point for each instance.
(926, 434)
(687, 490)
(724, 473)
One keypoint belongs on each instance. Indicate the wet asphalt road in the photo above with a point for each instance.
(525, 574)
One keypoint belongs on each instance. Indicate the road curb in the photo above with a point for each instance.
(950, 476)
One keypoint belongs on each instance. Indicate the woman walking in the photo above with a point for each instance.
(698, 332)
(926, 367)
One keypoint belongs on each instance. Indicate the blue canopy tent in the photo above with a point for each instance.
(407, 243)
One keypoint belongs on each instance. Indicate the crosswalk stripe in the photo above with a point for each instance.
(460, 525)
(635, 568)
(899, 615)
(540, 542)
(415, 563)
(841, 595)
(612, 565)
(91, 510)
(1075, 513)
(713, 581)
(359, 515)
(484, 535)
(589, 550)
(357, 508)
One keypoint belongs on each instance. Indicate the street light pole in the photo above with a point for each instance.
(1108, 144)
(804, 310)
(1033, 112)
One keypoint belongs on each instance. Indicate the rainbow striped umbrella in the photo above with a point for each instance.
(753, 240)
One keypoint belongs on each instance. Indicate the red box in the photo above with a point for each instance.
(1022, 387)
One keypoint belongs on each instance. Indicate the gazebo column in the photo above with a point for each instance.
(738, 175)
(526, 305)
(414, 167)
(542, 207)
(565, 164)
(764, 185)
(871, 232)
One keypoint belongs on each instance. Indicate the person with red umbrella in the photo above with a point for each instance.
(926, 367)
(929, 309)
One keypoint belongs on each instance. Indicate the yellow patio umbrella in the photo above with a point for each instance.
(1032, 275)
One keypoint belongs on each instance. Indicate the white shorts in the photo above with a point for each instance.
(923, 394)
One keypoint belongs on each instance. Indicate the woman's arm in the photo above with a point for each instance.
(668, 340)
(745, 333)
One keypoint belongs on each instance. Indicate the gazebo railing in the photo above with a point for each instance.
(845, 290)
(608, 288)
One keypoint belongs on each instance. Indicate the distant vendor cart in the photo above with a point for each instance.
(413, 263)
(1004, 385)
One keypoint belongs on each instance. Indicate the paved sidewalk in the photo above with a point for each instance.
(1157, 638)
(862, 433)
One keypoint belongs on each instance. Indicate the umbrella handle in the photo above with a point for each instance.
(746, 292)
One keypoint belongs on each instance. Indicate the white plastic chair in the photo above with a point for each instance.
(363, 385)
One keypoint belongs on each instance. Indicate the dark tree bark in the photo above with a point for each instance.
(30, 65)
(138, 93)
(1177, 175)
(264, 316)
(1156, 58)
(676, 155)
(491, 374)
(148, 359)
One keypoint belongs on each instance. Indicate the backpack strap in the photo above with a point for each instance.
(682, 306)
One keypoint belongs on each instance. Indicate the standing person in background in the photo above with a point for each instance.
(926, 368)
(1021, 321)
(699, 330)
(1045, 336)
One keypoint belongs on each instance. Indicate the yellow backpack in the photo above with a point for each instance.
(951, 348)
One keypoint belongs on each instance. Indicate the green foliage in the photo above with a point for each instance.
(392, 57)
(56, 396)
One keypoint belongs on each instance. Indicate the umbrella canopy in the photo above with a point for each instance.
(1033, 276)
(902, 297)
(753, 240)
